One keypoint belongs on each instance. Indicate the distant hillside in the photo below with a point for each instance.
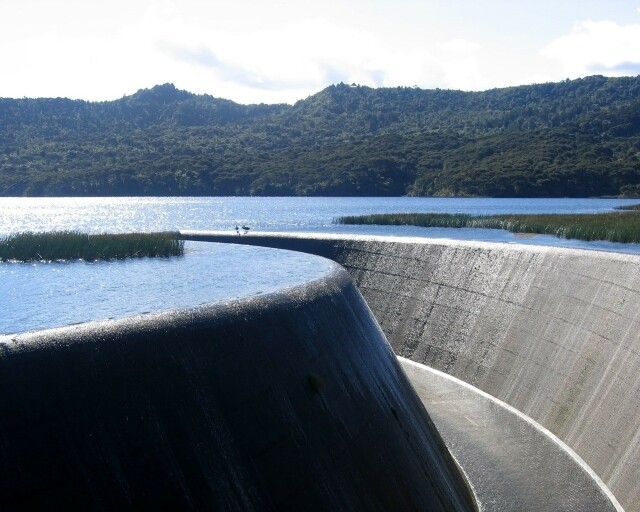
(573, 138)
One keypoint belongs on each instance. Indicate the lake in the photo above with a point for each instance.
(43, 295)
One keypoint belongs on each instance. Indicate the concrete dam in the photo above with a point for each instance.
(423, 375)
(553, 333)
(291, 400)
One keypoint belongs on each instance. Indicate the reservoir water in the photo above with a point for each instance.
(43, 295)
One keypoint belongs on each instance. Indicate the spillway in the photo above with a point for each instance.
(554, 333)
(291, 400)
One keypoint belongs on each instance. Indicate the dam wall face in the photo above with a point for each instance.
(287, 401)
(553, 332)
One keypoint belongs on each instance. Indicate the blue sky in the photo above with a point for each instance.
(253, 51)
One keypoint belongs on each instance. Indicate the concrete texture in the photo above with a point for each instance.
(553, 332)
(511, 462)
(288, 401)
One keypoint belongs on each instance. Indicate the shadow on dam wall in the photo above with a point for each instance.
(553, 332)
(287, 401)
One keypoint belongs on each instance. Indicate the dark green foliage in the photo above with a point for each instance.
(73, 245)
(573, 138)
(611, 226)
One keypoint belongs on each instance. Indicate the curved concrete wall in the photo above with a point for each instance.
(553, 332)
(291, 401)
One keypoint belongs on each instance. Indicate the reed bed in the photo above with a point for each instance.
(73, 245)
(619, 226)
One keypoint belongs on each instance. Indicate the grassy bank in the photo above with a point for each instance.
(73, 245)
(610, 226)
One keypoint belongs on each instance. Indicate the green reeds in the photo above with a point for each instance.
(73, 245)
(610, 226)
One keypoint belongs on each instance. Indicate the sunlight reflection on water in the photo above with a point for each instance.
(53, 294)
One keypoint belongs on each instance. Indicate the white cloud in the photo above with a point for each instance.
(461, 62)
(292, 61)
(284, 59)
(281, 60)
(251, 51)
(603, 47)
(300, 56)
(460, 46)
(88, 65)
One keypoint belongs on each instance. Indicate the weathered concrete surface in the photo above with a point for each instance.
(288, 401)
(553, 332)
(512, 463)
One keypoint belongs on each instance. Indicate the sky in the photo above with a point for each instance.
(282, 51)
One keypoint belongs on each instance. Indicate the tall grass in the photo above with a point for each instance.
(73, 245)
(610, 226)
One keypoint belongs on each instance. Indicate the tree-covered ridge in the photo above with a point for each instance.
(572, 138)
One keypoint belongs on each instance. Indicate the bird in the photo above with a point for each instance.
(246, 229)
(237, 229)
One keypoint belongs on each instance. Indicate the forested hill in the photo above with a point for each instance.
(573, 138)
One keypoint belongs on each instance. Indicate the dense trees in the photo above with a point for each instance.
(573, 138)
